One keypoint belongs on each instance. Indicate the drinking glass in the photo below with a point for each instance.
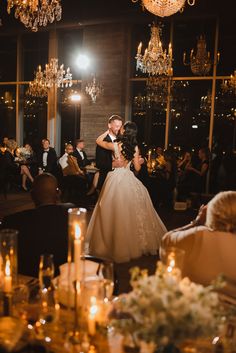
(46, 271)
(8, 256)
(106, 272)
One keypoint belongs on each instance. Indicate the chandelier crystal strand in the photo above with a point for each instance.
(155, 60)
(34, 13)
(163, 8)
(94, 89)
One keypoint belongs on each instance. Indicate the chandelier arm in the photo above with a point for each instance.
(191, 2)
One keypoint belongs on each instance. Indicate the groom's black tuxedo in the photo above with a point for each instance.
(103, 162)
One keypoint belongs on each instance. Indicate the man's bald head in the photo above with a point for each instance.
(44, 190)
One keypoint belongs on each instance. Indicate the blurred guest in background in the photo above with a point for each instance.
(43, 229)
(209, 241)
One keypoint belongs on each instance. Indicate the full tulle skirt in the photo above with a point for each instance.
(124, 224)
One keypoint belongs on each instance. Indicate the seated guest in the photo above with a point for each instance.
(80, 154)
(23, 158)
(47, 159)
(69, 163)
(3, 145)
(43, 229)
(11, 169)
(73, 177)
(209, 242)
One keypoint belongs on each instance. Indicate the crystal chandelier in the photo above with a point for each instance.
(53, 75)
(156, 94)
(34, 13)
(164, 8)
(157, 90)
(37, 90)
(205, 103)
(94, 89)
(201, 62)
(229, 86)
(155, 60)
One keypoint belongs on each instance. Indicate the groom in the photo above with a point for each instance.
(103, 156)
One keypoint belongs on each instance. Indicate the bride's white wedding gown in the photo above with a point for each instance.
(124, 224)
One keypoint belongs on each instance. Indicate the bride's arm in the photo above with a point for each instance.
(136, 160)
(104, 144)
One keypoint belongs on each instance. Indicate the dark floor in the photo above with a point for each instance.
(20, 201)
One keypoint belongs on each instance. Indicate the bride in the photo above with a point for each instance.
(124, 225)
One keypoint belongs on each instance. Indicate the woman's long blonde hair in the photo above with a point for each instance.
(221, 212)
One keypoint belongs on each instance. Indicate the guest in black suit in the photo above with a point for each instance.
(47, 159)
(80, 154)
(104, 161)
(43, 229)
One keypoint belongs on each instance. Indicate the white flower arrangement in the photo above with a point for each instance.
(164, 309)
(22, 154)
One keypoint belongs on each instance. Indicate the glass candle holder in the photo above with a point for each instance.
(77, 227)
(173, 259)
(8, 259)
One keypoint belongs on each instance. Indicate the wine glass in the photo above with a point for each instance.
(106, 272)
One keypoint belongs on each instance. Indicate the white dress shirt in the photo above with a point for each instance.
(81, 153)
(45, 158)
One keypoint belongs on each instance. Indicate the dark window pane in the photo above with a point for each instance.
(8, 58)
(35, 119)
(35, 48)
(8, 111)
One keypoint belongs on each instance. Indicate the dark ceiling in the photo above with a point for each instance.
(96, 11)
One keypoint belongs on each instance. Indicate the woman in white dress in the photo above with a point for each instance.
(124, 224)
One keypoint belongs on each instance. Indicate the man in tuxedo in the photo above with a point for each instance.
(103, 156)
(80, 154)
(47, 159)
(43, 229)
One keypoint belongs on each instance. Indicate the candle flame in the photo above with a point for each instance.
(77, 231)
(8, 267)
(93, 308)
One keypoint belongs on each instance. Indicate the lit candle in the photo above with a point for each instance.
(149, 155)
(184, 57)
(8, 277)
(77, 251)
(139, 48)
(170, 50)
(93, 310)
(171, 262)
(191, 53)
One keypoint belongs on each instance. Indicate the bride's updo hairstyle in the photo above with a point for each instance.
(129, 140)
(221, 212)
